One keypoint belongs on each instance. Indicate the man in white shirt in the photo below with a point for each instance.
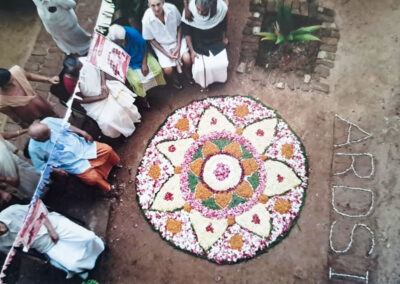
(161, 27)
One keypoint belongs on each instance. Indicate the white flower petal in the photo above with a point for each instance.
(208, 230)
(169, 198)
(260, 133)
(213, 120)
(175, 150)
(256, 220)
(280, 178)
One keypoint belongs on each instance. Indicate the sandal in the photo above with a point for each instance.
(191, 82)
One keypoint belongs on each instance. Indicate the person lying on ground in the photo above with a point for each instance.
(90, 161)
(108, 102)
(18, 100)
(69, 247)
(60, 21)
(17, 176)
(161, 27)
(207, 40)
(144, 70)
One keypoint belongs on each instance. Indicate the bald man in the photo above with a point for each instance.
(90, 161)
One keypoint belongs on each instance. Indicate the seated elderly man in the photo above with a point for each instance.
(69, 246)
(18, 100)
(90, 161)
(206, 38)
(17, 176)
(161, 27)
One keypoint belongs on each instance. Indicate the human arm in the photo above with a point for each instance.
(176, 52)
(145, 68)
(225, 30)
(188, 14)
(13, 134)
(193, 54)
(41, 78)
(157, 45)
(53, 234)
(81, 133)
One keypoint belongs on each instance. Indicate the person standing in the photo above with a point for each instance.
(60, 21)
(161, 27)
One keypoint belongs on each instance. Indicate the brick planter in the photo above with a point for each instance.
(292, 80)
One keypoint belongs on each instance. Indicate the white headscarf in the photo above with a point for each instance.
(116, 32)
(205, 22)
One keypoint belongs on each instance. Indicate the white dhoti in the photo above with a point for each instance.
(164, 60)
(77, 249)
(210, 69)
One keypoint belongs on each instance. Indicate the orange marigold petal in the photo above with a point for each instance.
(195, 136)
(241, 111)
(249, 166)
(287, 151)
(177, 170)
(282, 206)
(263, 199)
(187, 207)
(244, 190)
(182, 124)
(264, 158)
(196, 165)
(239, 131)
(234, 149)
(231, 220)
(202, 192)
(236, 242)
(223, 199)
(209, 148)
(174, 226)
(154, 172)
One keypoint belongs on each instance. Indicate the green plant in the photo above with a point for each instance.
(283, 28)
(90, 282)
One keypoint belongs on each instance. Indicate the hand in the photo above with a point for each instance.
(193, 55)
(176, 51)
(87, 136)
(54, 236)
(188, 15)
(105, 91)
(5, 196)
(60, 172)
(225, 40)
(54, 80)
(172, 56)
(145, 69)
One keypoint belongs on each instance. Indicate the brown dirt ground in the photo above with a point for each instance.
(365, 83)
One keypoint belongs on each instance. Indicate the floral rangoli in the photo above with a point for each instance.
(223, 178)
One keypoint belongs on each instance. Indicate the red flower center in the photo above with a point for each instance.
(221, 172)
(213, 121)
(280, 178)
(169, 196)
(260, 132)
(210, 229)
(171, 148)
(256, 219)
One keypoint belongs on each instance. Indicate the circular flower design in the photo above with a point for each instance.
(223, 178)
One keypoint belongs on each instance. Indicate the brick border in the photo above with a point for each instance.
(326, 56)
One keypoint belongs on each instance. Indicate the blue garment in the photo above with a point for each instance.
(135, 46)
(75, 154)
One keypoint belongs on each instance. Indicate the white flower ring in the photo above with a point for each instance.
(223, 178)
